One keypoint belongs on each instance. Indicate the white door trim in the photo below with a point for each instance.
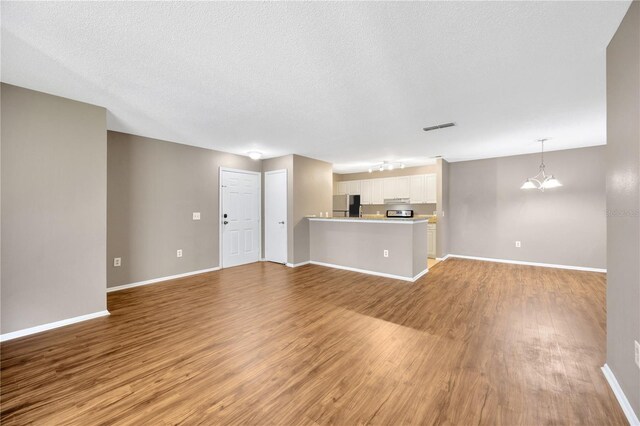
(270, 172)
(286, 174)
(251, 172)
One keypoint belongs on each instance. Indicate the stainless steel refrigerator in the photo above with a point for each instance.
(346, 205)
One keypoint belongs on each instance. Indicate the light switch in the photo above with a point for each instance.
(196, 215)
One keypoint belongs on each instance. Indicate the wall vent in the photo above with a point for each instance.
(439, 126)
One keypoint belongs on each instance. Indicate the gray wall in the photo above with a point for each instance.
(154, 187)
(488, 211)
(442, 200)
(623, 203)
(54, 193)
(310, 189)
(312, 194)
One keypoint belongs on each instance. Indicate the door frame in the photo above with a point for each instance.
(286, 219)
(220, 238)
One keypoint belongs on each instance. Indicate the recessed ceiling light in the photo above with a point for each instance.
(254, 155)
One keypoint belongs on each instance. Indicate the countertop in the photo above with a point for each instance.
(381, 219)
(430, 218)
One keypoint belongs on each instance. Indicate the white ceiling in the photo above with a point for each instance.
(349, 83)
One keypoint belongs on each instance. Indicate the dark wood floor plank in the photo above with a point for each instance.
(470, 343)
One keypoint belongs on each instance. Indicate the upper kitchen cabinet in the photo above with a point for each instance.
(350, 187)
(388, 187)
(366, 192)
(431, 193)
(419, 189)
(402, 185)
(353, 187)
(377, 194)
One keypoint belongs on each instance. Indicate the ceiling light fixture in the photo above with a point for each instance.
(541, 181)
(386, 165)
(254, 155)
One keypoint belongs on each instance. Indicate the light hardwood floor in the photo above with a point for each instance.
(469, 343)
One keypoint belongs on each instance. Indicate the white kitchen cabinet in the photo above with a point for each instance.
(402, 187)
(377, 191)
(418, 189)
(431, 189)
(388, 188)
(366, 192)
(431, 240)
(353, 187)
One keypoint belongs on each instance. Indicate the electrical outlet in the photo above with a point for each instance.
(179, 253)
(518, 244)
(637, 346)
(196, 215)
(386, 253)
(117, 261)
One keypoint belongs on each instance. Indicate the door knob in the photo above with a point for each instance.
(281, 223)
(225, 222)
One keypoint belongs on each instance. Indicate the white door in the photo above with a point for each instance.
(240, 217)
(275, 216)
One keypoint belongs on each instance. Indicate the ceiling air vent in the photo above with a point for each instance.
(439, 126)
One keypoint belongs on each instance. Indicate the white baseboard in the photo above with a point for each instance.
(295, 265)
(417, 277)
(365, 271)
(440, 259)
(521, 262)
(157, 280)
(50, 326)
(620, 396)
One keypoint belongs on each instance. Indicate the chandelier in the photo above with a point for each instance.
(541, 181)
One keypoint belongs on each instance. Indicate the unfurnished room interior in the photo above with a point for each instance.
(310, 213)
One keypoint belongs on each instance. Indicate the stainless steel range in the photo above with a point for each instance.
(400, 214)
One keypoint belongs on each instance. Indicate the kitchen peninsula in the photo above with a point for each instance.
(394, 248)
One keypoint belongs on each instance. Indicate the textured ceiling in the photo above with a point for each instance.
(349, 83)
